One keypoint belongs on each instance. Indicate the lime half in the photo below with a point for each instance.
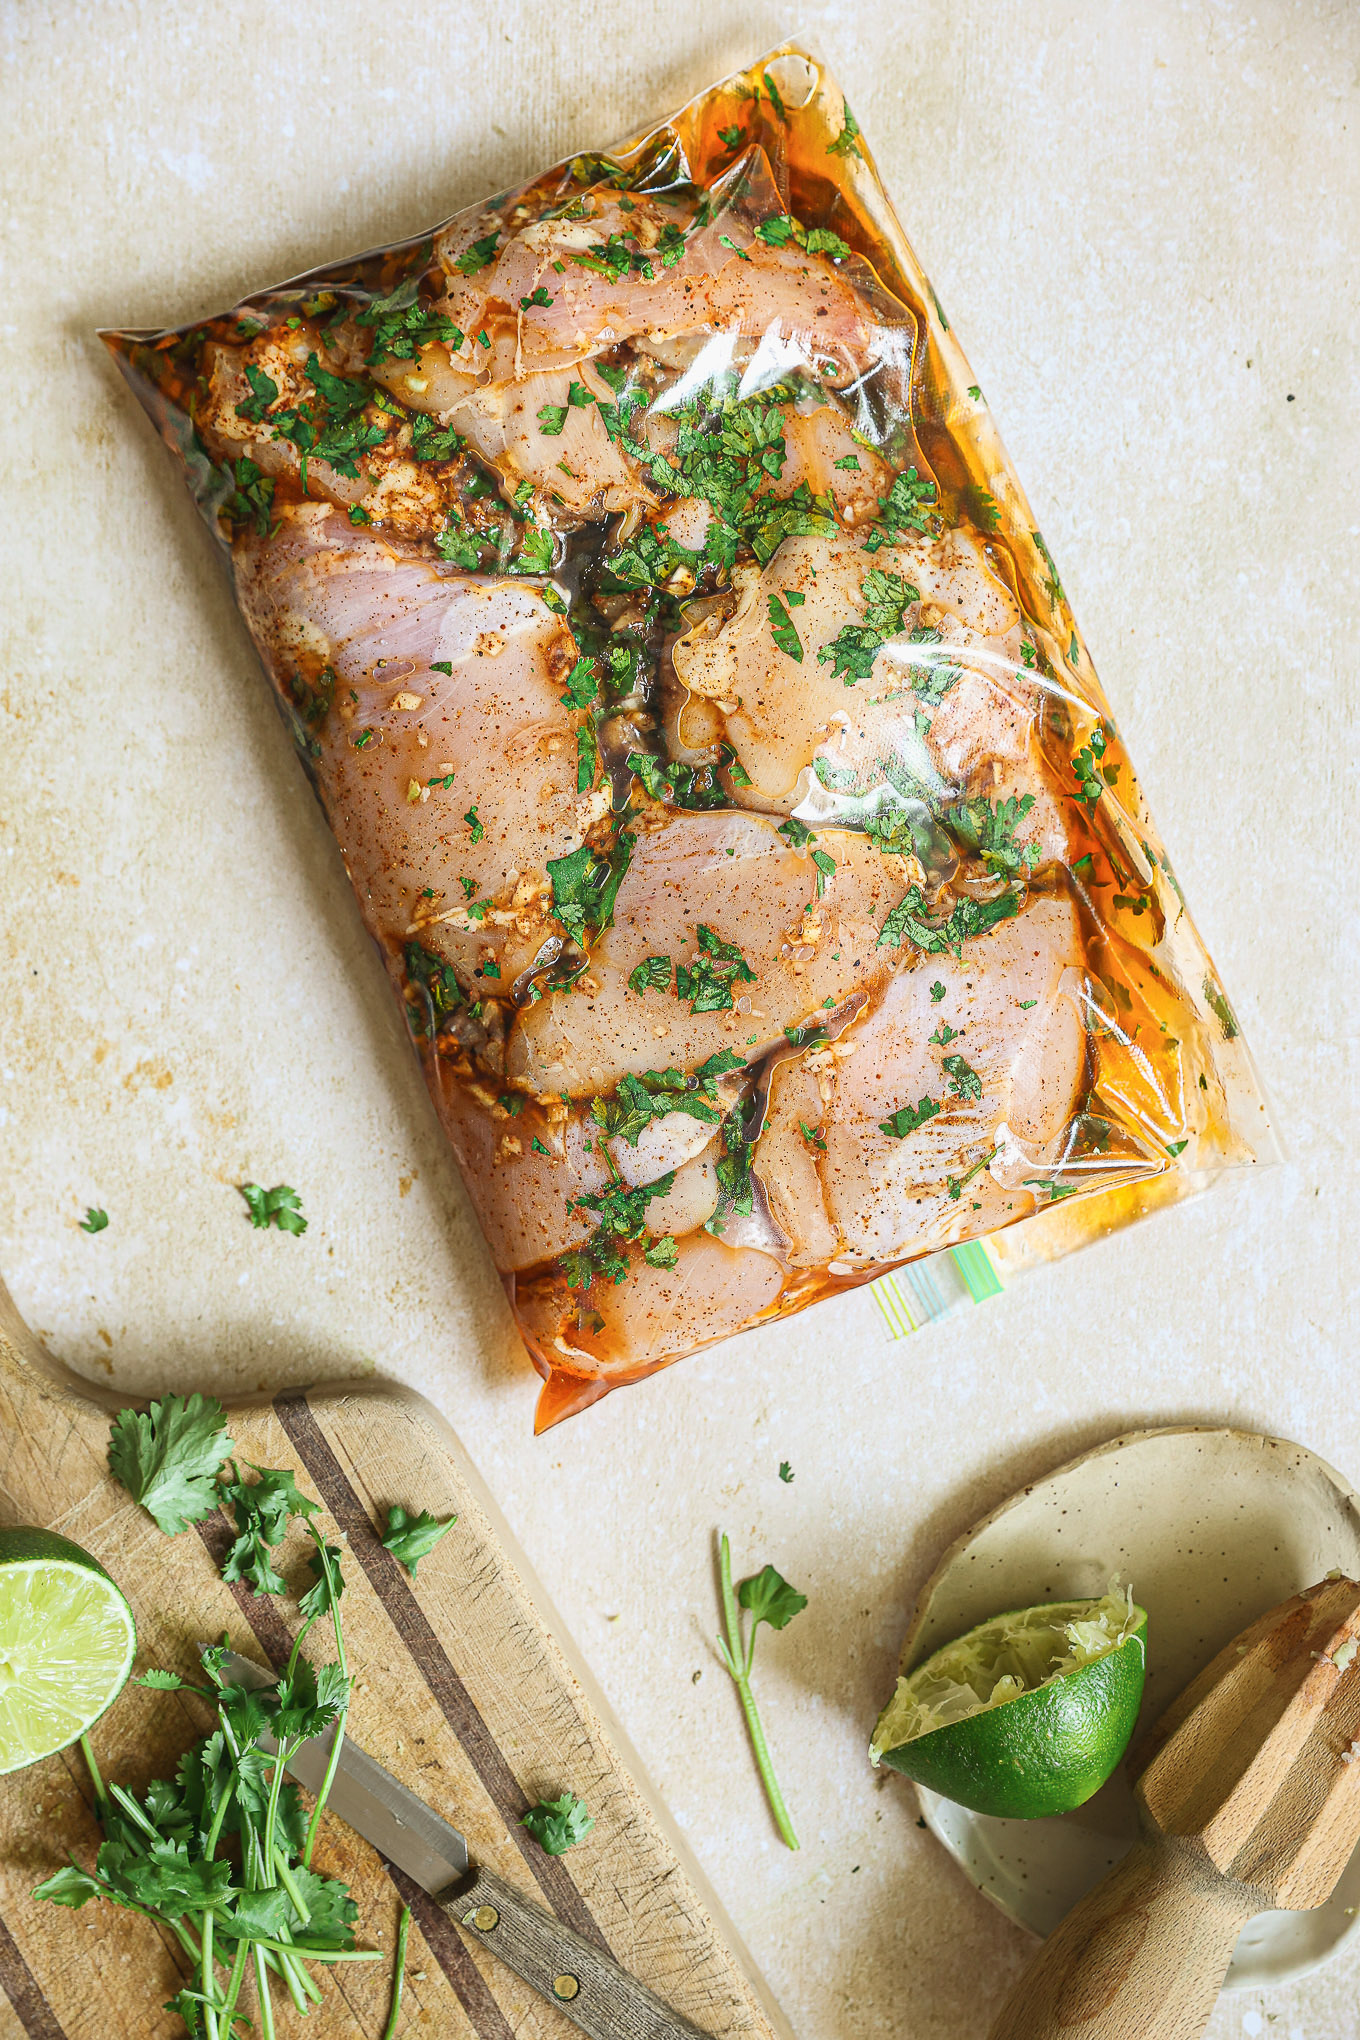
(66, 1644)
(1027, 1714)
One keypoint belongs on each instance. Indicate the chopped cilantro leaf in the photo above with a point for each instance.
(937, 991)
(478, 255)
(94, 1220)
(654, 975)
(968, 917)
(558, 1824)
(585, 886)
(783, 632)
(551, 420)
(707, 982)
(964, 1081)
(473, 821)
(846, 142)
(907, 1118)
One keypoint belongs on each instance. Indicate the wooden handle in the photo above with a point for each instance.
(570, 1972)
(1142, 1957)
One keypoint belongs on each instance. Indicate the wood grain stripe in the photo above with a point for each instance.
(426, 1652)
(20, 1986)
(454, 1958)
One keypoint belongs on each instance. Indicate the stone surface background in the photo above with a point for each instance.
(1141, 218)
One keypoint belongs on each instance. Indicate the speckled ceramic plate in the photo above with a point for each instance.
(1211, 1528)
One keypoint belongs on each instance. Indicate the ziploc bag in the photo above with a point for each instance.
(710, 743)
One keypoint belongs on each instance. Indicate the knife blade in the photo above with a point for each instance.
(369, 1799)
(584, 1982)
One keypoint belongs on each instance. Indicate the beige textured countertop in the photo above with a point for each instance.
(1141, 219)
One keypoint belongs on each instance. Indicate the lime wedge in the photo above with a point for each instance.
(1027, 1714)
(66, 1644)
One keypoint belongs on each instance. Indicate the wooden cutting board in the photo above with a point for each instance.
(461, 1690)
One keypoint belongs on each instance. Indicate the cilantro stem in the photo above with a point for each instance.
(101, 1797)
(291, 1886)
(265, 2002)
(338, 1727)
(234, 1982)
(399, 1973)
(738, 1656)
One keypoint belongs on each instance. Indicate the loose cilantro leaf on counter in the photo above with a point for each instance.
(411, 1538)
(95, 1219)
(768, 1597)
(558, 1824)
(707, 982)
(324, 1565)
(167, 1458)
(785, 1471)
(280, 1207)
(907, 1118)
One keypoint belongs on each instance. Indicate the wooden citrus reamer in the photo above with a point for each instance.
(1250, 1802)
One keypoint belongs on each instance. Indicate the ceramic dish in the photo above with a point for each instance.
(1212, 1528)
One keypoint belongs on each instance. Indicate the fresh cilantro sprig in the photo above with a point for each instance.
(766, 1597)
(262, 1907)
(95, 1219)
(558, 1824)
